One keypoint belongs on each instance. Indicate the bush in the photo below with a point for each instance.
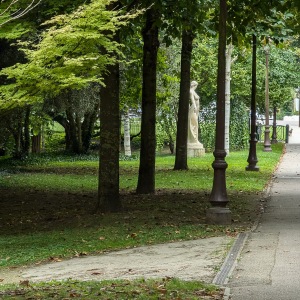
(239, 126)
(55, 141)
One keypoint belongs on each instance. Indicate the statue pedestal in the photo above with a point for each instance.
(195, 150)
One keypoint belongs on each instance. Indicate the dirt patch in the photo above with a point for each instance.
(23, 211)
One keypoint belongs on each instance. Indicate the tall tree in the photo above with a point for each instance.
(183, 107)
(146, 179)
(75, 51)
(191, 19)
(76, 111)
(108, 187)
(229, 62)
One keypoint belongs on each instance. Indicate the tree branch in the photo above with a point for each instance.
(19, 12)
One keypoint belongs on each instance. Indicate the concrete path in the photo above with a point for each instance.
(269, 265)
(188, 260)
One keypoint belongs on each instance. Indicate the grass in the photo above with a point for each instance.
(81, 174)
(119, 289)
(48, 211)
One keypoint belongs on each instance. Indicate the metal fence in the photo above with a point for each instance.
(282, 133)
(135, 126)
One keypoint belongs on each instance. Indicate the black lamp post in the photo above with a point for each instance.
(267, 143)
(219, 213)
(252, 158)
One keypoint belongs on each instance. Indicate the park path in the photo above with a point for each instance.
(268, 268)
(187, 260)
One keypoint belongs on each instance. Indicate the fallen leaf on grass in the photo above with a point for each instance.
(133, 235)
(78, 254)
(75, 295)
(25, 283)
(54, 259)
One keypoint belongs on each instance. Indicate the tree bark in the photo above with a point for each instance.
(227, 96)
(73, 131)
(183, 108)
(127, 145)
(36, 143)
(26, 138)
(146, 179)
(108, 182)
(88, 125)
(229, 62)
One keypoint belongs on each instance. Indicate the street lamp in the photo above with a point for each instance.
(219, 213)
(252, 158)
(267, 143)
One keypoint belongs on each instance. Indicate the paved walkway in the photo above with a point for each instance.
(269, 264)
(294, 138)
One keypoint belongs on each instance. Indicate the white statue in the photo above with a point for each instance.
(193, 115)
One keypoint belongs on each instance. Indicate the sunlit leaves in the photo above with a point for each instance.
(71, 52)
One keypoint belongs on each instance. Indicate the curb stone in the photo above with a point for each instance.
(226, 295)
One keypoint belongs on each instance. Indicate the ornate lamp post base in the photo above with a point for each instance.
(218, 216)
(267, 142)
(252, 168)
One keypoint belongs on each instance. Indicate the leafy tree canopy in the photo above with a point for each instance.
(70, 55)
(275, 19)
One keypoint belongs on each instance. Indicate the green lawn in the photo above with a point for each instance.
(48, 209)
(118, 289)
(81, 174)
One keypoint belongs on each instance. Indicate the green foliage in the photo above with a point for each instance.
(74, 51)
(274, 19)
(239, 125)
(204, 68)
(54, 141)
(161, 137)
(129, 158)
(12, 10)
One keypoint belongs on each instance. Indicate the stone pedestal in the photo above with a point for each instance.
(195, 150)
(218, 216)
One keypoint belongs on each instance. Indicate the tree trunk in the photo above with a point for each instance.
(79, 133)
(36, 143)
(26, 135)
(146, 179)
(108, 184)
(65, 124)
(17, 134)
(88, 125)
(183, 108)
(127, 146)
(227, 96)
(73, 132)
